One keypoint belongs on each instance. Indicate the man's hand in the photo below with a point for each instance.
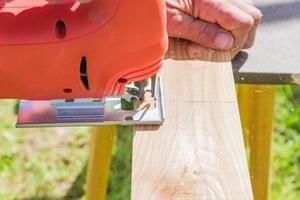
(200, 29)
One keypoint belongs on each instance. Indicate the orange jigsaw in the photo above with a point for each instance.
(71, 52)
(70, 49)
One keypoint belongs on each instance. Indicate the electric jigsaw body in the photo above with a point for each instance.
(75, 62)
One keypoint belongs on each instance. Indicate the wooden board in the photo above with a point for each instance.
(198, 153)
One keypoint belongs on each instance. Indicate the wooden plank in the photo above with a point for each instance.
(198, 153)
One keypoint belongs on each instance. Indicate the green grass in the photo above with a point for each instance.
(286, 146)
(41, 164)
(120, 176)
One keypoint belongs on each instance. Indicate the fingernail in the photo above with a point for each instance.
(223, 41)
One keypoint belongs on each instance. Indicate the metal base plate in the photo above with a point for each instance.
(87, 112)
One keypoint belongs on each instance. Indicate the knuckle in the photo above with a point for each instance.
(250, 2)
(247, 23)
(206, 32)
(202, 32)
(211, 4)
(257, 15)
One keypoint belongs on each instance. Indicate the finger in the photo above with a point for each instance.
(251, 36)
(243, 28)
(180, 49)
(225, 13)
(229, 17)
(250, 2)
(255, 13)
(181, 25)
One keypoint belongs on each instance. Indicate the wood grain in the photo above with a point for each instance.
(198, 153)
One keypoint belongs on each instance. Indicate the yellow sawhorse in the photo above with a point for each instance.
(257, 114)
(102, 140)
(257, 103)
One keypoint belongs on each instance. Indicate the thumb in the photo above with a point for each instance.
(183, 26)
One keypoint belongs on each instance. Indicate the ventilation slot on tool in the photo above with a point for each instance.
(83, 73)
(60, 29)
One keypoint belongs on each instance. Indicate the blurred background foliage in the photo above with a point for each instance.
(286, 145)
(42, 164)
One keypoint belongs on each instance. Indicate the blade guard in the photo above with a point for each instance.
(87, 112)
(69, 49)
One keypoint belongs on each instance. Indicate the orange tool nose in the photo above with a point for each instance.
(68, 49)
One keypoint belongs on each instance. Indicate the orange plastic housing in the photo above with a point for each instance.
(67, 49)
